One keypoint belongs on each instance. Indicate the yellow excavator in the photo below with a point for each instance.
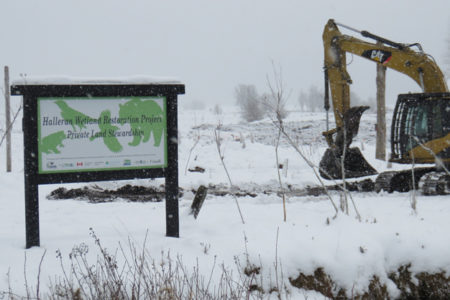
(420, 132)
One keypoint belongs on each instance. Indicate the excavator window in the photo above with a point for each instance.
(408, 126)
(421, 122)
(417, 125)
(441, 118)
(446, 118)
(425, 121)
(437, 121)
(420, 118)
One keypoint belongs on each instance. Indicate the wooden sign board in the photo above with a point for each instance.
(97, 131)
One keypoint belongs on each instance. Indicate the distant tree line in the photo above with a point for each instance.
(255, 106)
(313, 100)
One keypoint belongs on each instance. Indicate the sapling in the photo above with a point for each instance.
(218, 141)
(343, 195)
(278, 93)
(344, 192)
(413, 193)
(196, 140)
(283, 193)
(275, 104)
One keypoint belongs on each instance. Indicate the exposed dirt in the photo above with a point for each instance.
(96, 194)
(422, 285)
(136, 193)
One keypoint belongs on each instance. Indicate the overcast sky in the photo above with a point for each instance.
(211, 46)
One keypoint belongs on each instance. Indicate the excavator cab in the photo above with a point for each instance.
(421, 129)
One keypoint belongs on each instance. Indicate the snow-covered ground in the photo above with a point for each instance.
(389, 234)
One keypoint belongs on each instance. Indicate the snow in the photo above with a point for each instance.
(389, 234)
(69, 80)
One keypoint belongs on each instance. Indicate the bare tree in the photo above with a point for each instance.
(249, 101)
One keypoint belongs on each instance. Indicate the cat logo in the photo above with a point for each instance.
(377, 55)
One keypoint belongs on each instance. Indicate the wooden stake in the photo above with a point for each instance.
(198, 200)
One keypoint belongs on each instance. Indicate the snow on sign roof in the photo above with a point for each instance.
(67, 80)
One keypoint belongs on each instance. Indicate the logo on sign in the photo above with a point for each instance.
(51, 165)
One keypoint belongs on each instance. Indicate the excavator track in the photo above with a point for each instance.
(400, 181)
(435, 183)
(383, 182)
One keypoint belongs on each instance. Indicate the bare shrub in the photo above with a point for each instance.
(132, 273)
(275, 102)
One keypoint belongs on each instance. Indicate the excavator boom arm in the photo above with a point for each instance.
(416, 65)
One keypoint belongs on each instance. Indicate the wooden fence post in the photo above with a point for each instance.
(380, 151)
(8, 126)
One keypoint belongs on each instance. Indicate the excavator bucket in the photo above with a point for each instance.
(341, 161)
(354, 164)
